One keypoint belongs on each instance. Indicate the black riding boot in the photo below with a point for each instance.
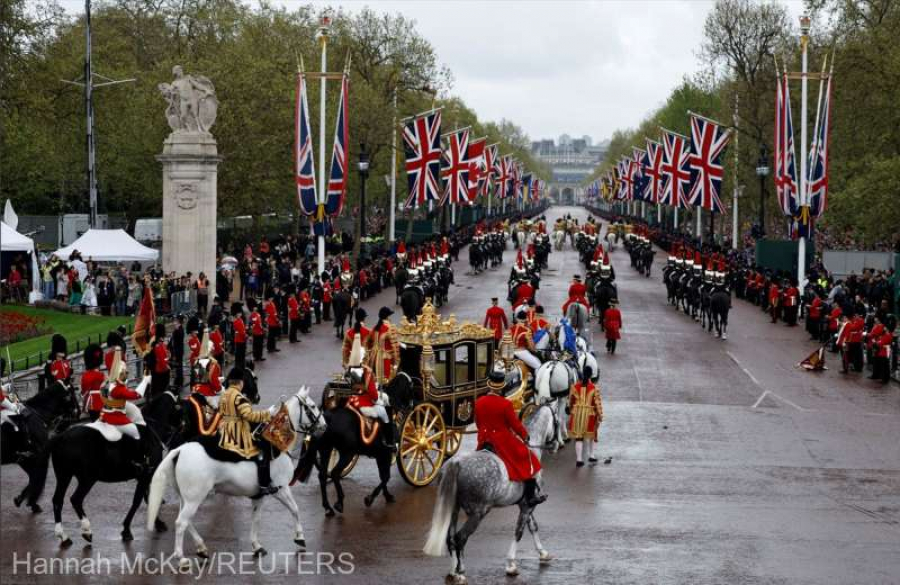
(532, 498)
(263, 476)
(388, 435)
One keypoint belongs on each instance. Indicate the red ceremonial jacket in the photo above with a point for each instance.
(857, 327)
(876, 332)
(815, 309)
(293, 308)
(91, 383)
(833, 319)
(214, 386)
(108, 357)
(161, 358)
(194, 347)
(326, 292)
(370, 392)
(114, 410)
(495, 318)
(256, 324)
(218, 342)
(524, 292)
(240, 330)
(883, 344)
(499, 426)
(521, 336)
(612, 323)
(272, 314)
(61, 369)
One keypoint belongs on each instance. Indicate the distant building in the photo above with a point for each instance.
(571, 159)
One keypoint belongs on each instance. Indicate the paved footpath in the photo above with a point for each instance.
(729, 466)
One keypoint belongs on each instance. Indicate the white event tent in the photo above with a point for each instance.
(108, 246)
(13, 241)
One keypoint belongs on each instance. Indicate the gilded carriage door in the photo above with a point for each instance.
(463, 403)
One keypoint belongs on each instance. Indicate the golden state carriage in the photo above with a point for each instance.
(448, 363)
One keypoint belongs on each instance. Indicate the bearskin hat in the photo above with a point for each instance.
(58, 344)
(159, 332)
(93, 356)
(114, 339)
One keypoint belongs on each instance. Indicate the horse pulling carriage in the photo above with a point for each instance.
(448, 364)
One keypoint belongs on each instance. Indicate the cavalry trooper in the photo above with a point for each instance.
(92, 381)
(577, 294)
(523, 341)
(585, 412)
(382, 350)
(495, 319)
(235, 433)
(119, 410)
(501, 432)
(208, 374)
(365, 398)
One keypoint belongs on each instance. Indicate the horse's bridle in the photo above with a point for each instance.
(313, 417)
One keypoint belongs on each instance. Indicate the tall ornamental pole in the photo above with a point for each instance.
(734, 199)
(804, 204)
(391, 234)
(699, 232)
(322, 36)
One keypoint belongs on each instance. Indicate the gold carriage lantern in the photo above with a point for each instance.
(507, 350)
(427, 365)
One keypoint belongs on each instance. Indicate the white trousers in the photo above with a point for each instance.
(529, 358)
(583, 445)
(376, 411)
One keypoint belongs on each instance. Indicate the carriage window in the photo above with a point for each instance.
(441, 368)
(482, 357)
(462, 363)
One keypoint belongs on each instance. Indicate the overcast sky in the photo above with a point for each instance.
(554, 66)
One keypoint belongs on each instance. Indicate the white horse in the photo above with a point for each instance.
(559, 238)
(610, 238)
(195, 474)
(478, 481)
(587, 358)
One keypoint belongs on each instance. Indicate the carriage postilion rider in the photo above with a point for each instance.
(236, 435)
(523, 341)
(366, 398)
(501, 432)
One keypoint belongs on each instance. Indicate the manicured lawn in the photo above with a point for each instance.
(73, 326)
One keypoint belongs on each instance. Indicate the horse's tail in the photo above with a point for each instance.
(37, 479)
(436, 544)
(158, 486)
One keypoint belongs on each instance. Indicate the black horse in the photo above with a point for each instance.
(604, 292)
(344, 435)
(342, 304)
(401, 277)
(44, 414)
(412, 299)
(719, 305)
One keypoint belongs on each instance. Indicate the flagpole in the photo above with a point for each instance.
(392, 219)
(699, 233)
(734, 198)
(675, 224)
(323, 38)
(801, 245)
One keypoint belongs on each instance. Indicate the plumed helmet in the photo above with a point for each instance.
(93, 356)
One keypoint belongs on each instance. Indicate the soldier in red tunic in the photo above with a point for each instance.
(360, 330)
(305, 301)
(293, 306)
(612, 326)
(501, 432)
(58, 368)
(118, 407)
(158, 362)
(114, 339)
(257, 330)
(524, 293)
(239, 332)
(217, 338)
(791, 304)
(774, 300)
(273, 323)
(326, 297)
(495, 318)
(881, 359)
(363, 381)
(523, 341)
(577, 294)
(209, 374)
(92, 380)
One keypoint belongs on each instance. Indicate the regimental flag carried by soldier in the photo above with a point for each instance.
(815, 362)
(708, 141)
(305, 171)
(422, 146)
(144, 322)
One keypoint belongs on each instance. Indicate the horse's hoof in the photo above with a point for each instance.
(202, 552)
(127, 536)
(160, 526)
(36, 509)
(339, 507)
(65, 543)
(512, 570)
(184, 564)
(260, 552)
(389, 498)
(329, 513)
(18, 500)
(367, 501)
(545, 557)
(300, 542)
(87, 536)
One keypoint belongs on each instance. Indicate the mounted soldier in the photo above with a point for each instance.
(366, 399)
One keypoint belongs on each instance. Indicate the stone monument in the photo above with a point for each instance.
(190, 163)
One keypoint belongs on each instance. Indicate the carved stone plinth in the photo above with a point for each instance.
(190, 163)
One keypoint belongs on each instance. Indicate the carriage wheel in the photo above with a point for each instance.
(332, 461)
(454, 440)
(423, 442)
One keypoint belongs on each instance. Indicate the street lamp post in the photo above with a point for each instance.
(363, 175)
(762, 171)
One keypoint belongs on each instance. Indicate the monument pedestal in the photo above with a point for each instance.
(190, 163)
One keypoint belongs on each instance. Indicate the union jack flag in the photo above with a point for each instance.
(817, 179)
(785, 153)
(708, 141)
(636, 168)
(652, 163)
(455, 169)
(490, 169)
(674, 169)
(422, 146)
(475, 156)
(304, 170)
(518, 172)
(504, 176)
(337, 181)
(625, 184)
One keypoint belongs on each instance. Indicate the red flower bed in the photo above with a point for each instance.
(15, 327)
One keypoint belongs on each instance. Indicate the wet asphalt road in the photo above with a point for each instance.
(729, 466)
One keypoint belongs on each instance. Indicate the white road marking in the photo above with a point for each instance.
(640, 388)
(760, 399)
(745, 370)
